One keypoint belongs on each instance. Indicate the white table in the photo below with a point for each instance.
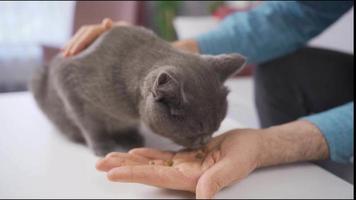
(37, 162)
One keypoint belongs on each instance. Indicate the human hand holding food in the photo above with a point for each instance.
(227, 158)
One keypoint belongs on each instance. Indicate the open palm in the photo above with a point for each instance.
(204, 171)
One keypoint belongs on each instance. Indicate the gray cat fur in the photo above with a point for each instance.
(128, 74)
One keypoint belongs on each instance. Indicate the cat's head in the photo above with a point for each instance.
(184, 98)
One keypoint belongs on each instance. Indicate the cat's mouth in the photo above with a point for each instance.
(195, 143)
(201, 141)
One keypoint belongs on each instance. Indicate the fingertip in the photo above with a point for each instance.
(107, 23)
(143, 151)
(110, 176)
(206, 187)
(197, 196)
(113, 175)
(204, 195)
(67, 53)
(99, 165)
(72, 52)
(136, 150)
(111, 155)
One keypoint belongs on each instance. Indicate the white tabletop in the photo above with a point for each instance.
(37, 162)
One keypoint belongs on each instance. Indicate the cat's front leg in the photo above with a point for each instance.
(103, 140)
(96, 136)
(102, 146)
(127, 138)
(117, 141)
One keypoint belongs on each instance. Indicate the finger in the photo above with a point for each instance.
(159, 176)
(107, 164)
(72, 41)
(214, 179)
(126, 155)
(113, 160)
(85, 39)
(107, 23)
(214, 143)
(122, 23)
(188, 154)
(152, 153)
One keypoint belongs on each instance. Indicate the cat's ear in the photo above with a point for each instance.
(226, 65)
(167, 89)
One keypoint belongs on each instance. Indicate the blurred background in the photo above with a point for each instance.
(32, 32)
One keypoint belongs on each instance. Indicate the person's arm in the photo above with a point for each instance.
(292, 142)
(326, 135)
(227, 158)
(337, 126)
(271, 29)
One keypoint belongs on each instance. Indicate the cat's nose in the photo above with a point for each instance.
(201, 141)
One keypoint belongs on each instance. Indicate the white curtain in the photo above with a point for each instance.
(25, 25)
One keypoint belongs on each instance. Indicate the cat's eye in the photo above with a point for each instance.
(177, 111)
(163, 79)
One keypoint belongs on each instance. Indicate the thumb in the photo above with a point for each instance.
(107, 23)
(214, 179)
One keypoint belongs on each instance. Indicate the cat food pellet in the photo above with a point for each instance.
(200, 155)
(151, 162)
(168, 163)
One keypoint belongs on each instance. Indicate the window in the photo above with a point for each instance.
(25, 25)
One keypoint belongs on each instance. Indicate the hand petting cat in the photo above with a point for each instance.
(88, 33)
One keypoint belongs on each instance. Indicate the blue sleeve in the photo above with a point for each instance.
(271, 29)
(337, 126)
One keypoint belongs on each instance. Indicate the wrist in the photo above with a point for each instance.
(292, 142)
(250, 140)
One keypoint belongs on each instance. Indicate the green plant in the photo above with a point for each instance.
(166, 11)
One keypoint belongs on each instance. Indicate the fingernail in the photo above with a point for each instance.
(111, 175)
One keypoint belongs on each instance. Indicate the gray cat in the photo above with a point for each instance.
(128, 74)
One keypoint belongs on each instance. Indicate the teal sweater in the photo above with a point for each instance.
(277, 28)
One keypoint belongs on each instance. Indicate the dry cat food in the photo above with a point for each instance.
(165, 163)
(168, 163)
(200, 155)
